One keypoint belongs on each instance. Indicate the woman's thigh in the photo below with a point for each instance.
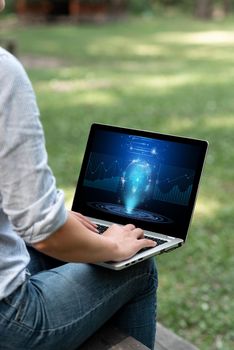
(61, 307)
(40, 262)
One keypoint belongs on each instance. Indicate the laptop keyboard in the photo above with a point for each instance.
(103, 228)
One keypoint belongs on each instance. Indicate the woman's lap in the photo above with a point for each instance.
(59, 308)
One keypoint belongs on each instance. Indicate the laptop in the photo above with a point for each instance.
(140, 177)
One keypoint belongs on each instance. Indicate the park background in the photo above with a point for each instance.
(165, 66)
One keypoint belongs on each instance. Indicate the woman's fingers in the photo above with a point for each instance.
(128, 239)
(85, 221)
(129, 227)
(138, 232)
(146, 243)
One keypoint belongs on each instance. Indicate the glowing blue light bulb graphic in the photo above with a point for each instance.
(136, 182)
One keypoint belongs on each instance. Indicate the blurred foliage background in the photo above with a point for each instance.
(201, 8)
(163, 70)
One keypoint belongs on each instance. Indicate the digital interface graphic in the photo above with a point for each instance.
(134, 214)
(139, 178)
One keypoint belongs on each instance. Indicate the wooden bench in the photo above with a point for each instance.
(108, 338)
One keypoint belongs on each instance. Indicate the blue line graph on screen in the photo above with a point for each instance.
(139, 180)
(173, 185)
(103, 172)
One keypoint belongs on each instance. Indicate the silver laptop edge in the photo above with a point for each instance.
(170, 244)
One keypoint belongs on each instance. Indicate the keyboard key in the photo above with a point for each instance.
(155, 239)
(103, 228)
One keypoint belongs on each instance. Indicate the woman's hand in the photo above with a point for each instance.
(85, 221)
(128, 240)
(77, 241)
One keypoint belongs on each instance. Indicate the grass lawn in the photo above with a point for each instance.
(167, 74)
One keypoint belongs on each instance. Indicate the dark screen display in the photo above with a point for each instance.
(133, 178)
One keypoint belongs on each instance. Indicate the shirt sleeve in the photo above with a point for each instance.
(28, 192)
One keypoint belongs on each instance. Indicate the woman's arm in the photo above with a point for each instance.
(73, 242)
(29, 197)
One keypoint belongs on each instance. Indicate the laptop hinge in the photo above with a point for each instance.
(170, 249)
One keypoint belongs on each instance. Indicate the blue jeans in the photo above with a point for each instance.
(60, 305)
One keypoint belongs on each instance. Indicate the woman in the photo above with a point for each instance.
(49, 296)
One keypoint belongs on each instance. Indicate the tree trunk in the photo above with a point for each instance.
(226, 6)
(204, 8)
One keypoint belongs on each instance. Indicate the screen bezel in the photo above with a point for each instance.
(79, 206)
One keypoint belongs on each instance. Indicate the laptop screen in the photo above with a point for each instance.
(148, 179)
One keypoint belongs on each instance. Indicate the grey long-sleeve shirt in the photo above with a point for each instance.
(31, 208)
